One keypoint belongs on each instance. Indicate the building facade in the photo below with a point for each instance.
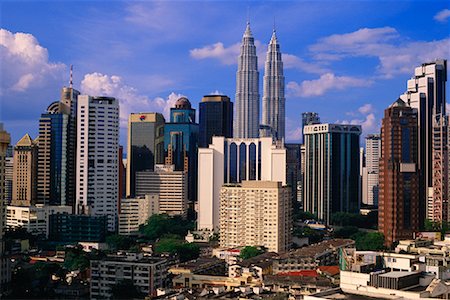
(77, 228)
(171, 187)
(97, 157)
(370, 187)
(233, 161)
(426, 92)
(145, 145)
(216, 119)
(274, 102)
(181, 142)
(398, 209)
(135, 212)
(309, 118)
(25, 171)
(5, 269)
(52, 157)
(146, 273)
(256, 213)
(246, 117)
(293, 169)
(331, 169)
(439, 210)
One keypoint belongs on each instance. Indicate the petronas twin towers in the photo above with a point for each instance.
(247, 123)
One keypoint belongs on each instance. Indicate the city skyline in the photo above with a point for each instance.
(356, 65)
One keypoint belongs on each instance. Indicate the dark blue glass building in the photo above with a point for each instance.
(216, 118)
(181, 142)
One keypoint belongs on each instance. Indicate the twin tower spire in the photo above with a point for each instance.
(247, 123)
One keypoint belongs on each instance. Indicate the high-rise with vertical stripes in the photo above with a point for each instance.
(273, 104)
(246, 121)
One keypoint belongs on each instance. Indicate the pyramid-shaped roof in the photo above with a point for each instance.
(25, 141)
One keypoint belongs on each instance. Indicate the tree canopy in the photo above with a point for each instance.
(250, 251)
(159, 225)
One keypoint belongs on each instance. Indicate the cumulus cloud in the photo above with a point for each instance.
(396, 54)
(293, 130)
(226, 55)
(326, 82)
(24, 63)
(367, 119)
(442, 16)
(294, 62)
(130, 99)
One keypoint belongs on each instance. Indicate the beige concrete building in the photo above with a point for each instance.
(171, 186)
(5, 270)
(24, 172)
(136, 211)
(256, 213)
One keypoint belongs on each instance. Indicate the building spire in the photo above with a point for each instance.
(71, 77)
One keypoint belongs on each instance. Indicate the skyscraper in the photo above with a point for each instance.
(309, 118)
(246, 118)
(331, 169)
(52, 157)
(97, 157)
(181, 142)
(145, 145)
(293, 169)
(69, 104)
(216, 118)
(273, 106)
(25, 171)
(370, 184)
(398, 208)
(256, 213)
(426, 93)
(439, 210)
(233, 161)
(5, 271)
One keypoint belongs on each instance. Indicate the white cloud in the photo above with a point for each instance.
(130, 100)
(366, 108)
(291, 61)
(442, 16)
(24, 64)
(326, 82)
(396, 54)
(293, 130)
(226, 55)
(368, 121)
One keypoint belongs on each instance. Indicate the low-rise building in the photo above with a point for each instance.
(136, 211)
(35, 219)
(325, 253)
(146, 273)
(201, 266)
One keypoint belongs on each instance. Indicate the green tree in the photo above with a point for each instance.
(175, 246)
(76, 259)
(346, 232)
(125, 289)
(250, 251)
(119, 242)
(369, 241)
(159, 225)
(313, 235)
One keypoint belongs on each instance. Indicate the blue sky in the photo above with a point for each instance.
(346, 60)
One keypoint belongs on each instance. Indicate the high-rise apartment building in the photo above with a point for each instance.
(25, 171)
(5, 270)
(426, 93)
(331, 169)
(181, 142)
(274, 102)
(52, 157)
(398, 208)
(256, 213)
(216, 118)
(246, 117)
(136, 211)
(309, 118)
(97, 157)
(370, 187)
(233, 161)
(439, 210)
(171, 187)
(9, 165)
(145, 145)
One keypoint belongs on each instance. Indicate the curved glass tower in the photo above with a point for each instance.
(246, 121)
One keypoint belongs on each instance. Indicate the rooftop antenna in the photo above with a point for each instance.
(71, 77)
(274, 27)
(248, 14)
